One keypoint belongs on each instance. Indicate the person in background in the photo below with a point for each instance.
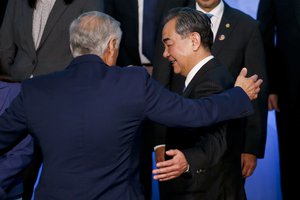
(139, 35)
(34, 40)
(18, 156)
(83, 115)
(280, 26)
(196, 154)
(237, 43)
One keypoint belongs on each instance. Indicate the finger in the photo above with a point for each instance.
(254, 77)
(270, 107)
(171, 152)
(243, 72)
(165, 175)
(247, 172)
(166, 163)
(258, 82)
(166, 179)
(256, 91)
(163, 170)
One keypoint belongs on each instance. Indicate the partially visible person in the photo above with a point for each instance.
(130, 14)
(195, 166)
(34, 40)
(96, 135)
(280, 26)
(18, 157)
(237, 43)
(34, 35)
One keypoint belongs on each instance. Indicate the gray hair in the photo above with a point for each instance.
(91, 32)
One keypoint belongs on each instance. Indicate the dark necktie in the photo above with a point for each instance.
(149, 29)
(209, 15)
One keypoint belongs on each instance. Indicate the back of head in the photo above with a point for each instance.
(190, 20)
(91, 32)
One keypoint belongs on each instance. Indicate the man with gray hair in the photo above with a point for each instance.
(92, 113)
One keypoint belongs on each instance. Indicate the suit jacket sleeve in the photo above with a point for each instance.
(256, 126)
(14, 161)
(13, 124)
(266, 17)
(173, 110)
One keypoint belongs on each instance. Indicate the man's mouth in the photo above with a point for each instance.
(172, 61)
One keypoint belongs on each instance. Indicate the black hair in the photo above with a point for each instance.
(190, 20)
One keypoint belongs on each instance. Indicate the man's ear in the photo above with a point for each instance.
(111, 53)
(196, 40)
(112, 45)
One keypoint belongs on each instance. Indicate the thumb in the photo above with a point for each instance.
(244, 72)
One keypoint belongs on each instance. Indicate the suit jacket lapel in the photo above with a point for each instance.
(27, 26)
(196, 78)
(227, 24)
(57, 10)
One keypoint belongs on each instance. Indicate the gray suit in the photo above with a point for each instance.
(18, 56)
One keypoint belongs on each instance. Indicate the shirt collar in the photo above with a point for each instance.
(195, 69)
(217, 11)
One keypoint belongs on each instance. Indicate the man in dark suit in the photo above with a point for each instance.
(237, 43)
(195, 156)
(280, 22)
(21, 58)
(128, 13)
(86, 133)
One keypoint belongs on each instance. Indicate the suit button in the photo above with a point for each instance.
(199, 171)
(33, 62)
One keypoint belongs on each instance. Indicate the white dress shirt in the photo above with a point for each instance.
(195, 69)
(141, 14)
(217, 13)
(40, 17)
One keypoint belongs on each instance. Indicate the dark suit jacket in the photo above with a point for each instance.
(18, 157)
(202, 147)
(280, 20)
(242, 47)
(126, 12)
(18, 57)
(89, 137)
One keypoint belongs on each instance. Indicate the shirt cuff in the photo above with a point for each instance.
(188, 169)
